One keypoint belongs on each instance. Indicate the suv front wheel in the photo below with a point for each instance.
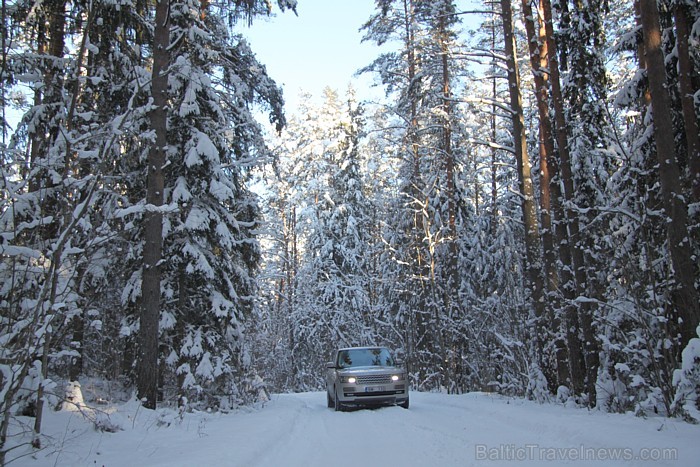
(337, 406)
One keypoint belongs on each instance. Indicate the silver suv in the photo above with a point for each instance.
(365, 376)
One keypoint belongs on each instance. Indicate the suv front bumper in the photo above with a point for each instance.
(354, 394)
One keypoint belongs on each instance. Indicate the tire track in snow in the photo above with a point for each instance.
(299, 430)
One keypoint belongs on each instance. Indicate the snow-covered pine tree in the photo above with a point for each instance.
(422, 229)
(533, 263)
(641, 344)
(403, 295)
(632, 325)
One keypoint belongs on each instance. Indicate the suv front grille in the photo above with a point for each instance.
(374, 379)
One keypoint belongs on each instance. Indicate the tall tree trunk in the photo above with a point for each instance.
(570, 251)
(690, 119)
(685, 295)
(451, 288)
(409, 40)
(56, 17)
(537, 49)
(447, 136)
(51, 18)
(420, 315)
(532, 234)
(147, 370)
(494, 134)
(550, 195)
(84, 168)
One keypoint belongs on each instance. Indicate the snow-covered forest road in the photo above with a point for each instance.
(438, 430)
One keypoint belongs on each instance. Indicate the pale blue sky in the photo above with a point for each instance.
(320, 47)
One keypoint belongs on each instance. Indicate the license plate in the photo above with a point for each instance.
(374, 389)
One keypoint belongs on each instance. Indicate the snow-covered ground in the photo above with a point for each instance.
(438, 430)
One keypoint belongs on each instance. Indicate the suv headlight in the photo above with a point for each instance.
(348, 379)
(398, 377)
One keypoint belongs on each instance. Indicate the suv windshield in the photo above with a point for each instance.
(364, 357)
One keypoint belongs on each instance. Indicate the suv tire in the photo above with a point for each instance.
(337, 406)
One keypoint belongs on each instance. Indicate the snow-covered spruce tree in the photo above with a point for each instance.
(279, 263)
(402, 297)
(349, 226)
(276, 293)
(116, 100)
(46, 223)
(495, 355)
(298, 174)
(453, 200)
(593, 155)
(296, 181)
(291, 186)
(332, 284)
(209, 250)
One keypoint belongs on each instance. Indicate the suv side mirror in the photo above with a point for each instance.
(330, 365)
